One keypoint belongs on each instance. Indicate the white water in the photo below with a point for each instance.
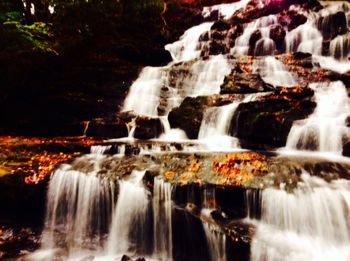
(129, 219)
(187, 48)
(79, 206)
(340, 47)
(265, 45)
(308, 38)
(145, 91)
(309, 224)
(305, 38)
(162, 221)
(217, 243)
(215, 127)
(325, 130)
(274, 72)
(216, 239)
(207, 76)
(225, 10)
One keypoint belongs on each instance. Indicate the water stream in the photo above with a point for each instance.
(91, 216)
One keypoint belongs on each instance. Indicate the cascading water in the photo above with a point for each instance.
(217, 243)
(309, 223)
(264, 46)
(162, 221)
(129, 222)
(147, 87)
(86, 219)
(225, 10)
(215, 126)
(325, 130)
(79, 210)
(216, 239)
(274, 72)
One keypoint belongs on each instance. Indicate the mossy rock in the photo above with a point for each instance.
(266, 123)
(188, 116)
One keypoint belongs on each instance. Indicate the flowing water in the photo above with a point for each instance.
(310, 223)
(162, 221)
(325, 130)
(128, 229)
(94, 217)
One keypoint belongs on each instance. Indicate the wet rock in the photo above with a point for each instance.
(204, 37)
(147, 128)
(345, 78)
(220, 26)
(346, 149)
(189, 115)
(277, 34)
(295, 20)
(216, 35)
(301, 55)
(267, 122)
(107, 128)
(125, 258)
(244, 83)
(233, 33)
(255, 37)
(217, 47)
(333, 25)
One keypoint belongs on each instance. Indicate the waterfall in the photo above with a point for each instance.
(94, 217)
(340, 47)
(146, 89)
(225, 10)
(310, 223)
(216, 242)
(162, 226)
(325, 130)
(264, 45)
(207, 76)
(274, 72)
(79, 207)
(187, 48)
(216, 239)
(128, 230)
(215, 127)
(305, 38)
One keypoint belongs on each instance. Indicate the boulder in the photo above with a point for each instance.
(346, 149)
(221, 26)
(333, 25)
(125, 258)
(217, 47)
(244, 83)
(254, 38)
(295, 20)
(266, 123)
(147, 128)
(189, 115)
(277, 34)
(107, 128)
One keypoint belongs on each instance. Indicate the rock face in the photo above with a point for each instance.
(147, 128)
(267, 122)
(189, 115)
(333, 25)
(107, 128)
(244, 83)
